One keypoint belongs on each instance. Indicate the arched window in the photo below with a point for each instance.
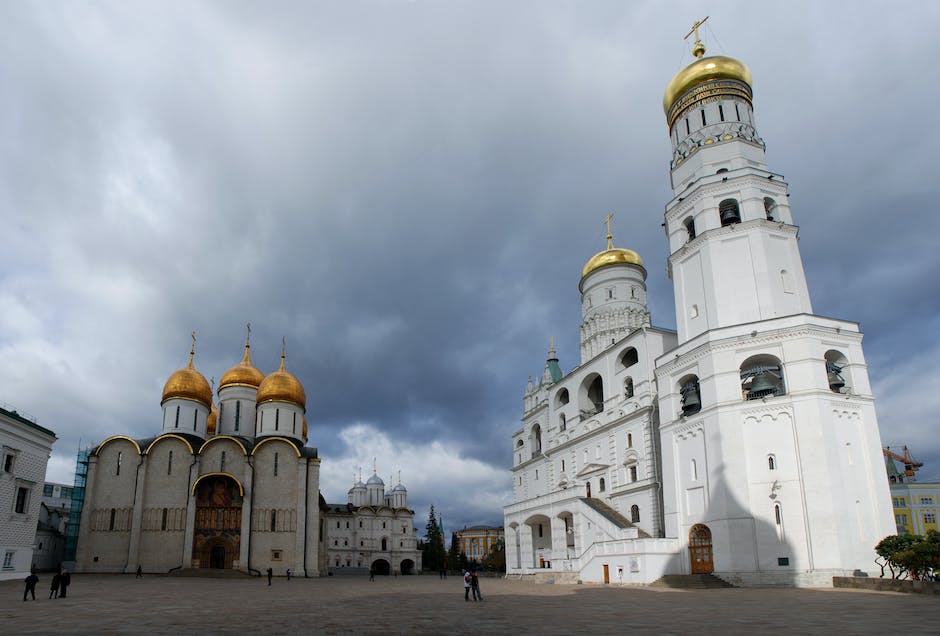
(629, 358)
(561, 398)
(691, 396)
(693, 470)
(771, 462)
(520, 443)
(628, 388)
(729, 212)
(594, 397)
(384, 544)
(629, 440)
(561, 422)
(769, 208)
(778, 521)
(635, 513)
(836, 372)
(761, 377)
(689, 224)
(602, 486)
(536, 439)
(274, 521)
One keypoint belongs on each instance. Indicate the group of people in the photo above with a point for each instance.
(59, 588)
(471, 584)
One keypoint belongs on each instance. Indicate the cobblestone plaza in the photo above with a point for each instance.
(113, 604)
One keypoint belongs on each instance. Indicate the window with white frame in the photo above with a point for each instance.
(8, 560)
(930, 517)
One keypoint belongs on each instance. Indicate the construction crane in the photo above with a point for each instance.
(910, 466)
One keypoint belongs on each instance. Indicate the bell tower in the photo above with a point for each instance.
(766, 412)
(734, 256)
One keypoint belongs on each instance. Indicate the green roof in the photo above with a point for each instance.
(19, 418)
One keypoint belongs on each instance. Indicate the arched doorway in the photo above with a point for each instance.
(381, 566)
(217, 531)
(407, 567)
(700, 549)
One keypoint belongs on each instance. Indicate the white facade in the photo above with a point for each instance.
(756, 450)
(24, 452)
(380, 536)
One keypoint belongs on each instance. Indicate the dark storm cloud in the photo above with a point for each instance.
(407, 192)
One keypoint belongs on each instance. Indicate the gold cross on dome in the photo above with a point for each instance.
(610, 237)
(698, 50)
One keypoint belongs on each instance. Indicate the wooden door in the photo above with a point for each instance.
(700, 550)
(606, 574)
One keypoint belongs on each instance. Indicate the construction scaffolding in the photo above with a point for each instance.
(78, 500)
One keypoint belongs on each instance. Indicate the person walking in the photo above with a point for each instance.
(140, 572)
(270, 574)
(54, 588)
(64, 582)
(288, 574)
(466, 585)
(372, 574)
(475, 587)
(31, 582)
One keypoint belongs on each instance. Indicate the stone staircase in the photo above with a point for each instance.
(612, 515)
(691, 582)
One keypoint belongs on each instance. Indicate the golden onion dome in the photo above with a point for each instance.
(703, 70)
(283, 387)
(611, 256)
(243, 373)
(212, 420)
(189, 384)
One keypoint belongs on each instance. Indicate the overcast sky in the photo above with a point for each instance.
(408, 190)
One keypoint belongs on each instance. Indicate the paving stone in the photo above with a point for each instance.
(118, 604)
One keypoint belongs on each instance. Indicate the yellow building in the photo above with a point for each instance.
(916, 504)
(478, 541)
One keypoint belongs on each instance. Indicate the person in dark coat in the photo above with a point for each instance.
(140, 572)
(31, 582)
(64, 582)
(270, 574)
(54, 588)
(475, 587)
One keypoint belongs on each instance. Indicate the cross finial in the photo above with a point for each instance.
(248, 337)
(610, 237)
(551, 347)
(698, 49)
(192, 349)
(399, 476)
(374, 471)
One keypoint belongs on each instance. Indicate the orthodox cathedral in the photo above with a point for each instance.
(234, 487)
(745, 444)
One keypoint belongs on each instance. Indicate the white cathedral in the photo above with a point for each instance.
(235, 488)
(745, 444)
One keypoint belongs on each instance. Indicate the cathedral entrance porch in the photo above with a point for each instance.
(382, 567)
(217, 530)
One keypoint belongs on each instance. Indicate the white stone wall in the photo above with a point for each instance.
(29, 446)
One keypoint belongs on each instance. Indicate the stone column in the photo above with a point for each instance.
(249, 474)
(313, 555)
(133, 550)
(187, 557)
(559, 549)
(511, 548)
(525, 547)
(300, 531)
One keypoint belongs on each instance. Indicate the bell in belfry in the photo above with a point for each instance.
(834, 373)
(763, 385)
(691, 402)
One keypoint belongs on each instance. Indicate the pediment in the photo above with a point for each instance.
(592, 468)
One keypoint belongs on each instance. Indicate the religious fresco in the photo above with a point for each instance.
(218, 522)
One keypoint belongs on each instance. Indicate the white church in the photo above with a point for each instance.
(745, 444)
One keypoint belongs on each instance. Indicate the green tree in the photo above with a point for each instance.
(433, 558)
(891, 546)
(453, 555)
(496, 560)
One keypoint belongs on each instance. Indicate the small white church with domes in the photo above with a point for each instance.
(744, 444)
(234, 488)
